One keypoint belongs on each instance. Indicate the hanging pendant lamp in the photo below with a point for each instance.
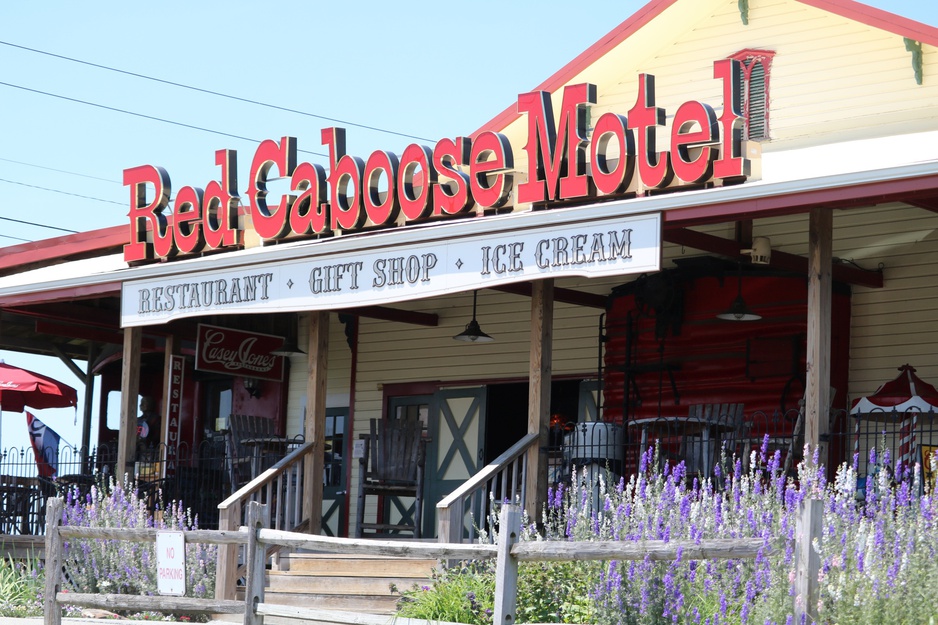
(290, 345)
(738, 310)
(473, 333)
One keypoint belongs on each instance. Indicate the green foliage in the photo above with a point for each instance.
(548, 592)
(21, 585)
(460, 594)
(556, 592)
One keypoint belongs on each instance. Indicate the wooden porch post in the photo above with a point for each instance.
(817, 403)
(818, 375)
(130, 388)
(315, 426)
(540, 371)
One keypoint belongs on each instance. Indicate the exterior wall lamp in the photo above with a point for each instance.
(252, 386)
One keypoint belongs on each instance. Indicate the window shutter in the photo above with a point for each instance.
(757, 103)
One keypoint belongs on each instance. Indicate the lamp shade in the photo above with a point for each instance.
(289, 348)
(473, 334)
(738, 311)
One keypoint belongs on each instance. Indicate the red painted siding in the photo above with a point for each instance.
(758, 363)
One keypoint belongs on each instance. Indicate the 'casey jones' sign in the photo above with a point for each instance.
(224, 350)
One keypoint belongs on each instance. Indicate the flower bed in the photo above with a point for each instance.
(109, 566)
(877, 550)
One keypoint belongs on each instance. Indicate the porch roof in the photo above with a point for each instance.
(854, 173)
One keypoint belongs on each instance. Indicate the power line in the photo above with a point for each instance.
(150, 117)
(215, 93)
(38, 225)
(6, 236)
(61, 171)
(84, 197)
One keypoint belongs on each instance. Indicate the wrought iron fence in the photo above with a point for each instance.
(198, 477)
(701, 441)
(909, 438)
(889, 444)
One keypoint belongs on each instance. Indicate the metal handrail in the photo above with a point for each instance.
(503, 478)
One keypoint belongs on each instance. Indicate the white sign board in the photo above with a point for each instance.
(614, 245)
(171, 563)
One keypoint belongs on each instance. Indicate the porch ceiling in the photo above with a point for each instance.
(782, 260)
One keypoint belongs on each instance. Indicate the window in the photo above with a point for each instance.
(755, 66)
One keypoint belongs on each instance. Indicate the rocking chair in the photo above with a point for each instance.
(392, 466)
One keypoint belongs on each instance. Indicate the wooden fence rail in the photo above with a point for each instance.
(508, 552)
(53, 597)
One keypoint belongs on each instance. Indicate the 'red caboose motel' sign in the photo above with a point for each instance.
(465, 175)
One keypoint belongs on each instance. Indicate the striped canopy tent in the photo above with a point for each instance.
(901, 401)
(906, 393)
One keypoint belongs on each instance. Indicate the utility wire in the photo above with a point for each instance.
(6, 236)
(215, 93)
(84, 197)
(61, 171)
(38, 225)
(150, 117)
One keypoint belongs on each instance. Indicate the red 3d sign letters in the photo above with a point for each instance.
(201, 219)
(458, 176)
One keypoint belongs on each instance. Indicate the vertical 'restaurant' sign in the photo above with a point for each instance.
(173, 413)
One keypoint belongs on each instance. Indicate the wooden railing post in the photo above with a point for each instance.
(258, 518)
(506, 566)
(449, 522)
(53, 565)
(807, 560)
(226, 573)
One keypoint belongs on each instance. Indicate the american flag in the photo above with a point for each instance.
(45, 443)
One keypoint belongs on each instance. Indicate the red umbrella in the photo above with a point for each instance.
(20, 388)
(906, 393)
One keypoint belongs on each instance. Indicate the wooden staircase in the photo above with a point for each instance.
(345, 582)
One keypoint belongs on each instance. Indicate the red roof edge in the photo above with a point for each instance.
(850, 9)
(66, 294)
(878, 18)
(619, 34)
(57, 248)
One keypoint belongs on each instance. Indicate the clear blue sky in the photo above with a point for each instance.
(427, 69)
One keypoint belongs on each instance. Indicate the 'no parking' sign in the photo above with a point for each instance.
(171, 563)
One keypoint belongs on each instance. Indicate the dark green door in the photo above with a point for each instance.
(334, 489)
(456, 451)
